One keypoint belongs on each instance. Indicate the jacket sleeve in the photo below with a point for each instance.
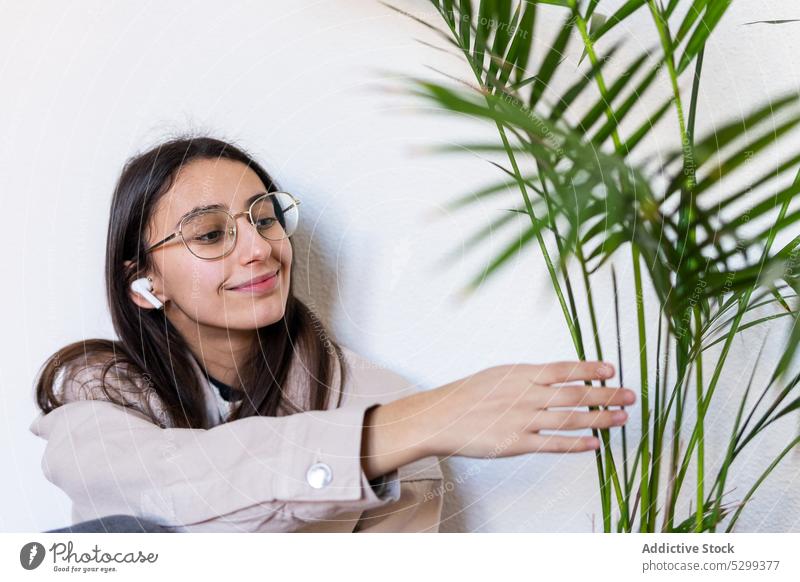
(419, 506)
(251, 474)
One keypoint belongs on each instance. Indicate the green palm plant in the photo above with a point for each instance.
(707, 243)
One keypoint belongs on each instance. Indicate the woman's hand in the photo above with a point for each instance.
(497, 412)
(500, 411)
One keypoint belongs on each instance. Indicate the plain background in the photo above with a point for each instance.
(303, 86)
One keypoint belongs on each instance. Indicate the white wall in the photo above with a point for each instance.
(86, 85)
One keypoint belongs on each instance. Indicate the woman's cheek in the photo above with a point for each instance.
(205, 284)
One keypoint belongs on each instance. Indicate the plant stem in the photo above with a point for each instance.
(661, 415)
(626, 477)
(698, 319)
(658, 407)
(700, 426)
(645, 453)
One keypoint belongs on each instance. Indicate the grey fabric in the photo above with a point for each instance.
(116, 524)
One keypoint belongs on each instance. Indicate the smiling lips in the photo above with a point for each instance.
(261, 283)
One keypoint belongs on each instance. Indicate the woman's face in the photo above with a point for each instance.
(197, 294)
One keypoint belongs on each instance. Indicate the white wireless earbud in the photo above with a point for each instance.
(144, 287)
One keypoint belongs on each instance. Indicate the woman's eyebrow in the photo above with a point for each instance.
(217, 206)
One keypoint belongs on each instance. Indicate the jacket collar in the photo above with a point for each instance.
(217, 408)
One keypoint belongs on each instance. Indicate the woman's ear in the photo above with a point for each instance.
(135, 297)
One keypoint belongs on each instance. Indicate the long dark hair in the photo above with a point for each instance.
(149, 346)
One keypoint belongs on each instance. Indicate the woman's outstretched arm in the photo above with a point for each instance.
(499, 411)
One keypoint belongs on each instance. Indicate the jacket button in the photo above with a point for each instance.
(319, 475)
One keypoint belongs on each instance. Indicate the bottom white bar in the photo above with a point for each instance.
(323, 557)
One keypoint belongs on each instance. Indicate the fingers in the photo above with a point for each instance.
(547, 443)
(555, 396)
(573, 420)
(557, 372)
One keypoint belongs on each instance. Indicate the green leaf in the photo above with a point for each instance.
(785, 21)
(644, 129)
(750, 324)
(708, 147)
(692, 14)
(745, 153)
(502, 37)
(506, 255)
(551, 61)
(465, 9)
(619, 114)
(609, 245)
(482, 32)
(716, 9)
(794, 337)
(520, 49)
(672, 5)
(577, 89)
(604, 103)
(759, 209)
(481, 235)
(507, 187)
(709, 521)
(619, 16)
(763, 179)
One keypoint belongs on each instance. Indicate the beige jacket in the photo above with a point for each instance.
(300, 472)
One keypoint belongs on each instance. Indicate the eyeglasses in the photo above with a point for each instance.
(211, 233)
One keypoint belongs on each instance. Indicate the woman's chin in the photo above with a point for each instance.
(253, 310)
(262, 317)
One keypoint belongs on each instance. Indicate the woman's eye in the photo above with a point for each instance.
(266, 222)
(209, 237)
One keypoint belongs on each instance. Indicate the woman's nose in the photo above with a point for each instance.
(249, 237)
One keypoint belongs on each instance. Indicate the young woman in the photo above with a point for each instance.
(224, 405)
